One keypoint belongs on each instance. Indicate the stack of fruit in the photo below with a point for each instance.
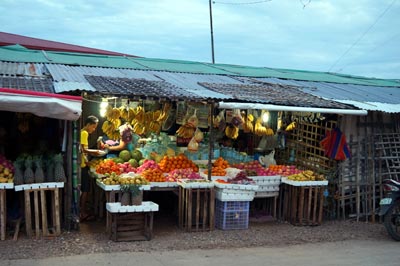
(6, 170)
(179, 174)
(307, 175)
(219, 167)
(241, 178)
(108, 166)
(167, 164)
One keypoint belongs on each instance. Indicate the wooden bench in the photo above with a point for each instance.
(131, 222)
(40, 214)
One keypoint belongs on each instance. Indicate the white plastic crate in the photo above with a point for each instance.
(268, 186)
(234, 195)
(6, 185)
(304, 183)
(146, 206)
(39, 186)
(117, 187)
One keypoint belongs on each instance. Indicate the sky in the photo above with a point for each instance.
(357, 37)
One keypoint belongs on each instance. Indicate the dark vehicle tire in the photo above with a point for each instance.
(391, 221)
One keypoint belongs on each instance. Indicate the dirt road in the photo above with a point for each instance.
(350, 252)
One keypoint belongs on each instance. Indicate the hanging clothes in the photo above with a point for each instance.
(335, 145)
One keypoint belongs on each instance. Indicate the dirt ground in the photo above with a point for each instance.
(91, 238)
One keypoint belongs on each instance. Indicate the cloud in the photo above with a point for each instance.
(274, 34)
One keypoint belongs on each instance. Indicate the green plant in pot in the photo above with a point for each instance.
(136, 194)
(125, 195)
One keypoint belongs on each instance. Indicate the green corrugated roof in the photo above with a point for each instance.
(17, 53)
(180, 66)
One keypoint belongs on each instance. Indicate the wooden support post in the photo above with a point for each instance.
(28, 214)
(3, 213)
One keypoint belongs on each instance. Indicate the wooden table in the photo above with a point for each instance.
(111, 191)
(303, 201)
(40, 207)
(3, 208)
(131, 222)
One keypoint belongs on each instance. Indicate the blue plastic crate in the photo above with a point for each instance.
(227, 206)
(232, 215)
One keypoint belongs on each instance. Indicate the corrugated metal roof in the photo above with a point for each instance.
(141, 88)
(374, 98)
(20, 54)
(27, 83)
(273, 94)
(23, 69)
(70, 86)
(41, 44)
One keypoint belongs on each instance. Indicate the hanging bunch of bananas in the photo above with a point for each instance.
(138, 120)
(186, 131)
(232, 131)
(248, 123)
(127, 113)
(164, 113)
(112, 113)
(260, 130)
(109, 128)
(291, 126)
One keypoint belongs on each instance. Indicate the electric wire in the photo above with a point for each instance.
(241, 3)
(362, 35)
(372, 50)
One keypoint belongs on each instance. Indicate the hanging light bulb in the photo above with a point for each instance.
(103, 107)
(265, 116)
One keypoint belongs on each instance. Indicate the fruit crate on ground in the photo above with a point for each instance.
(302, 204)
(232, 215)
(196, 208)
(130, 223)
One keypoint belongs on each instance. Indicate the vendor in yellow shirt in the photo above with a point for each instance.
(91, 123)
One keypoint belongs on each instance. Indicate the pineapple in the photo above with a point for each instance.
(39, 175)
(18, 174)
(29, 175)
(49, 170)
(59, 173)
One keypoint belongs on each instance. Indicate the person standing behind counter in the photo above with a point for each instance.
(90, 126)
(125, 142)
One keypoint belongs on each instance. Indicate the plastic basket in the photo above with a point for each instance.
(232, 215)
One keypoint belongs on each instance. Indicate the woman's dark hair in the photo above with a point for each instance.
(91, 119)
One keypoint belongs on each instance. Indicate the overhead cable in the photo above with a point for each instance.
(362, 35)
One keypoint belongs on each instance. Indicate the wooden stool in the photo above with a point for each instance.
(131, 222)
(3, 208)
(196, 208)
(40, 208)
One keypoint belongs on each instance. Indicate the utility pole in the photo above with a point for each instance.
(212, 34)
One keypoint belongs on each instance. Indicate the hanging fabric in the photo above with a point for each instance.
(335, 145)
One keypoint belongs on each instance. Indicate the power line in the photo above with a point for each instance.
(372, 50)
(241, 3)
(362, 35)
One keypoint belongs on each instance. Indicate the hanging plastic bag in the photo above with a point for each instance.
(237, 119)
(222, 122)
(193, 120)
(198, 135)
(193, 145)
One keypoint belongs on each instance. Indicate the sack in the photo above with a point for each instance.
(193, 145)
(198, 135)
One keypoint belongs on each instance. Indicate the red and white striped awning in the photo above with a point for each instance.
(59, 106)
